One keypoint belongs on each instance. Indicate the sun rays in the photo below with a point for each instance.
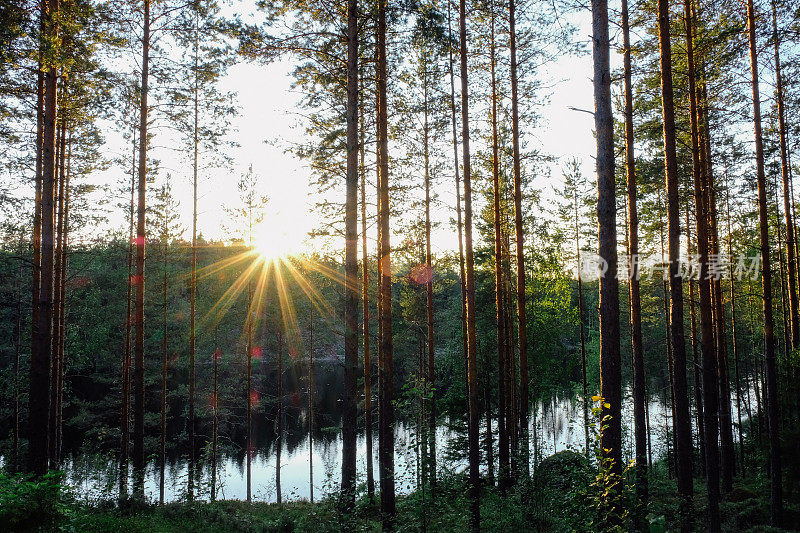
(266, 278)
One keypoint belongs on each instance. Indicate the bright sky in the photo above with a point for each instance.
(269, 121)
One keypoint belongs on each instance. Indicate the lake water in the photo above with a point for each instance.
(559, 426)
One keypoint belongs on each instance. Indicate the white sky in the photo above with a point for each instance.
(269, 120)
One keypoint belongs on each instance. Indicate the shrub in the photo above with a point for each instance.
(28, 504)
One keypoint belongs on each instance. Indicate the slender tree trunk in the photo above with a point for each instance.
(733, 327)
(162, 459)
(637, 351)
(138, 378)
(36, 237)
(215, 424)
(728, 461)
(55, 371)
(787, 200)
(582, 320)
(279, 440)
(681, 416)
(311, 405)
(522, 321)
(349, 406)
(38, 396)
(472, 366)
(365, 325)
(462, 275)
(386, 372)
(776, 496)
(15, 465)
(193, 277)
(710, 389)
(489, 440)
(431, 375)
(610, 367)
(56, 374)
(698, 389)
(671, 461)
(249, 449)
(62, 313)
(503, 456)
(125, 415)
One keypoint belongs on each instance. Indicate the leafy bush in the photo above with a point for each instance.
(29, 504)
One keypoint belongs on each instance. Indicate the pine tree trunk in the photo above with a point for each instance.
(522, 321)
(610, 367)
(503, 456)
(349, 406)
(311, 406)
(162, 455)
(728, 461)
(776, 503)
(279, 440)
(698, 389)
(40, 367)
(733, 328)
(462, 275)
(431, 374)
(215, 424)
(582, 321)
(637, 351)
(125, 412)
(36, 237)
(386, 371)
(193, 276)
(787, 201)
(62, 311)
(681, 417)
(365, 325)
(138, 377)
(710, 389)
(56, 366)
(472, 366)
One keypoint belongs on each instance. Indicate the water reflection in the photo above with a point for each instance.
(558, 426)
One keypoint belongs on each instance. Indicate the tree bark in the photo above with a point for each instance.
(681, 417)
(698, 388)
(461, 268)
(349, 406)
(431, 374)
(365, 325)
(279, 440)
(787, 197)
(472, 366)
(582, 321)
(125, 412)
(36, 237)
(386, 371)
(40, 368)
(522, 320)
(610, 368)
(733, 328)
(637, 352)
(311, 405)
(710, 389)
(503, 456)
(55, 362)
(162, 461)
(728, 461)
(138, 377)
(193, 276)
(776, 496)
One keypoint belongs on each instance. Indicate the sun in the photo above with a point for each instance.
(274, 241)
